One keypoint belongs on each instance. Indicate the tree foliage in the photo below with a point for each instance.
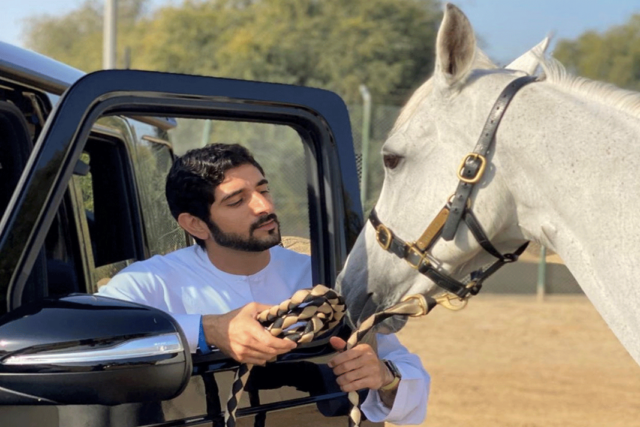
(613, 56)
(333, 44)
(76, 38)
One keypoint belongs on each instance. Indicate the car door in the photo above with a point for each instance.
(318, 117)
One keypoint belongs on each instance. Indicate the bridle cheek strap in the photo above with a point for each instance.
(474, 164)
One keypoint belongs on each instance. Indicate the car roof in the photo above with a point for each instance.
(31, 68)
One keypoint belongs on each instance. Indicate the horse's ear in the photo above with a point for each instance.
(530, 60)
(455, 46)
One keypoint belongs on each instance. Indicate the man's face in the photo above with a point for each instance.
(242, 215)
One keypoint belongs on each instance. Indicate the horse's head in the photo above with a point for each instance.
(436, 130)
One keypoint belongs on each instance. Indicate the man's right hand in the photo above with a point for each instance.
(238, 334)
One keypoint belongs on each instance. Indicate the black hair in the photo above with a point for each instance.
(193, 178)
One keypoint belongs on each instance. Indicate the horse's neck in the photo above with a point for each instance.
(576, 190)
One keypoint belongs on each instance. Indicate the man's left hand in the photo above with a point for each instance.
(359, 367)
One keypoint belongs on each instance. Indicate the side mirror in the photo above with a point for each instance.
(88, 349)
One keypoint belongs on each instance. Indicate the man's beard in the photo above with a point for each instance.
(252, 243)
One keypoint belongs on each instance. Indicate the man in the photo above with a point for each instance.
(220, 196)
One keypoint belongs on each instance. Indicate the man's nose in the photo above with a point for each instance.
(260, 204)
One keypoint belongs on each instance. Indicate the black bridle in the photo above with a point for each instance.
(457, 209)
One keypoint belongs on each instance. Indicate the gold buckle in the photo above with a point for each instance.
(389, 236)
(446, 300)
(476, 178)
(418, 253)
(420, 301)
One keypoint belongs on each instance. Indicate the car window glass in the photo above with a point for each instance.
(54, 272)
(154, 159)
(107, 201)
(15, 145)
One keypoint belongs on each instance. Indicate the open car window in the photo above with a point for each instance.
(305, 129)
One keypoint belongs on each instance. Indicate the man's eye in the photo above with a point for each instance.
(391, 160)
(235, 203)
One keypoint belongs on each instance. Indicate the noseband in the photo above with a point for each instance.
(457, 209)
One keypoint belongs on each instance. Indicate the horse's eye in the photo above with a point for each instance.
(391, 160)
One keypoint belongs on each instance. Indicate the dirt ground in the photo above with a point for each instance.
(509, 361)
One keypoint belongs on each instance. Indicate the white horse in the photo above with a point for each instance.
(563, 171)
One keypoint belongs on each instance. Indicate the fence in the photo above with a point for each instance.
(382, 119)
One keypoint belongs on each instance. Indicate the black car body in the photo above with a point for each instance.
(70, 358)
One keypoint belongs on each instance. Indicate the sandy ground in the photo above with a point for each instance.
(509, 361)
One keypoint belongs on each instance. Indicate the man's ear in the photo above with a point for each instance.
(194, 226)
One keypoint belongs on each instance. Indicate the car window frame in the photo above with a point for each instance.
(319, 116)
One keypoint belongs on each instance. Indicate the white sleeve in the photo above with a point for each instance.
(190, 324)
(410, 405)
(138, 287)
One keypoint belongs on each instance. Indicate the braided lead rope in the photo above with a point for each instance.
(412, 306)
(322, 309)
(318, 310)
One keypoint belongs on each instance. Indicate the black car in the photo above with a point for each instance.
(83, 159)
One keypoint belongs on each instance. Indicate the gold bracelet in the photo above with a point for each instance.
(392, 385)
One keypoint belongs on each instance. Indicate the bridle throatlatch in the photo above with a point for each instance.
(457, 209)
(310, 313)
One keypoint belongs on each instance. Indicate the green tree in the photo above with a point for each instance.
(612, 56)
(333, 44)
(76, 38)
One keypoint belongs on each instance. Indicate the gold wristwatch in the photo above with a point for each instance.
(397, 376)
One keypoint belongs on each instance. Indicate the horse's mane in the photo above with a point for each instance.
(606, 93)
(554, 73)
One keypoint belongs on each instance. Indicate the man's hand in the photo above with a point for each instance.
(239, 335)
(359, 367)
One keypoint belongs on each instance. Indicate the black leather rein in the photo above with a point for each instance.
(457, 209)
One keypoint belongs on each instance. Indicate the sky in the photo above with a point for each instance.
(511, 27)
(507, 28)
